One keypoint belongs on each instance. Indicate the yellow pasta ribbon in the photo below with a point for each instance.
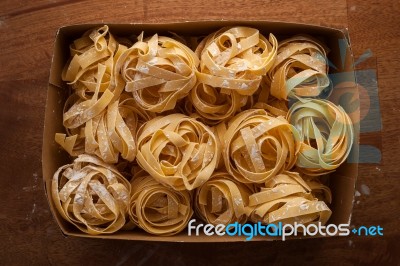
(90, 73)
(264, 100)
(96, 48)
(91, 195)
(300, 69)
(158, 71)
(287, 198)
(74, 140)
(326, 132)
(318, 189)
(157, 209)
(258, 146)
(109, 134)
(233, 60)
(223, 200)
(178, 151)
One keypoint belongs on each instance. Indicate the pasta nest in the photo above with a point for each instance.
(233, 60)
(223, 200)
(159, 71)
(91, 195)
(258, 146)
(287, 198)
(326, 132)
(300, 69)
(107, 135)
(158, 209)
(178, 151)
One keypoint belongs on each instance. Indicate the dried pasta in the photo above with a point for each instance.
(158, 71)
(318, 189)
(158, 209)
(326, 132)
(178, 151)
(91, 195)
(264, 100)
(233, 60)
(300, 69)
(258, 146)
(223, 200)
(205, 132)
(287, 198)
(109, 134)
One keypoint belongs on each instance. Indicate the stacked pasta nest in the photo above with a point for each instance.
(159, 132)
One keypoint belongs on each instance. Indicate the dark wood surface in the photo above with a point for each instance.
(28, 233)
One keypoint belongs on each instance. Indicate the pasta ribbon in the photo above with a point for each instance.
(91, 195)
(74, 140)
(158, 209)
(95, 52)
(318, 189)
(178, 151)
(233, 60)
(264, 100)
(258, 146)
(326, 132)
(158, 71)
(223, 200)
(300, 69)
(287, 198)
(109, 134)
(90, 74)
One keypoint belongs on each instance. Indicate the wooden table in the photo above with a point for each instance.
(28, 232)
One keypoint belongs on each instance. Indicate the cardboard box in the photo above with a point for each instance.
(342, 182)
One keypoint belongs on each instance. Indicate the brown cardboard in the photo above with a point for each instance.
(342, 182)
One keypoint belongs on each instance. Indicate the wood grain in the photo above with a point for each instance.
(27, 231)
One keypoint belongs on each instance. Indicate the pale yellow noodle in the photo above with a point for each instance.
(178, 151)
(91, 195)
(287, 198)
(109, 134)
(318, 189)
(300, 69)
(233, 60)
(158, 71)
(223, 200)
(264, 100)
(258, 146)
(158, 209)
(95, 48)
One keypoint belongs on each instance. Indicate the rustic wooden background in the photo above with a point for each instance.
(28, 233)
